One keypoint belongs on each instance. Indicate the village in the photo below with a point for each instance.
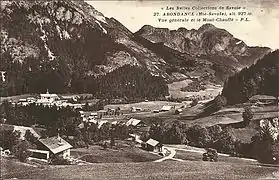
(49, 148)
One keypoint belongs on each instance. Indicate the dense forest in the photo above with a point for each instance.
(56, 76)
(260, 78)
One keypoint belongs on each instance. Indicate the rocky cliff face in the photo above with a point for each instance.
(208, 40)
(68, 46)
(221, 53)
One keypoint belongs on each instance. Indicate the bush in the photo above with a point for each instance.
(20, 150)
(210, 155)
(57, 160)
(194, 86)
(247, 116)
(194, 102)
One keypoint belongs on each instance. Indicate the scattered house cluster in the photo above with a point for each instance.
(50, 100)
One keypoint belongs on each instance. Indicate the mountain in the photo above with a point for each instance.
(260, 78)
(70, 47)
(212, 50)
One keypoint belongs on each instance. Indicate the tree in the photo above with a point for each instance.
(247, 116)
(194, 102)
(9, 138)
(220, 101)
(20, 150)
(30, 138)
(174, 134)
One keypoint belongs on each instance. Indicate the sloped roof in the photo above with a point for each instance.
(55, 144)
(49, 95)
(102, 111)
(262, 97)
(133, 122)
(152, 142)
(166, 108)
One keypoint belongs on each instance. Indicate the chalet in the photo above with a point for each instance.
(156, 111)
(135, 109)
(101, 113)
(153, 145)
(51, 147)
(178, 111)
(135, 123)
(265, 99)
(167, 108)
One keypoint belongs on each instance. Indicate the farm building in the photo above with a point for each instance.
(135, 109)
(135, 123)
(153, 145)
(178, 111)
(167, 108)
(51, 147)
(262, 99)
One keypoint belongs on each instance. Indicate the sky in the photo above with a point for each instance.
(262, 29)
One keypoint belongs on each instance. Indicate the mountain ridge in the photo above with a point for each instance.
(74, 45)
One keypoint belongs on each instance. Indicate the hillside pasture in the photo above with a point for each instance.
(154, 170)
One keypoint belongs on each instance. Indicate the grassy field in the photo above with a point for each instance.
(12, 167)
(124, 151)
(147, 106)
(230, 115)
(153, 170)
(197, 156)
(175, 90)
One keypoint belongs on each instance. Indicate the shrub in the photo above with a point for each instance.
(20, 150)
(247, 115)
(57, 160)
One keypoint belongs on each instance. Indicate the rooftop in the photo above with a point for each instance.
(262, 97)
(55, 144)
(152, 142)
(133, 122)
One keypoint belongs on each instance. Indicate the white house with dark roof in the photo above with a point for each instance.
(153, 145)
